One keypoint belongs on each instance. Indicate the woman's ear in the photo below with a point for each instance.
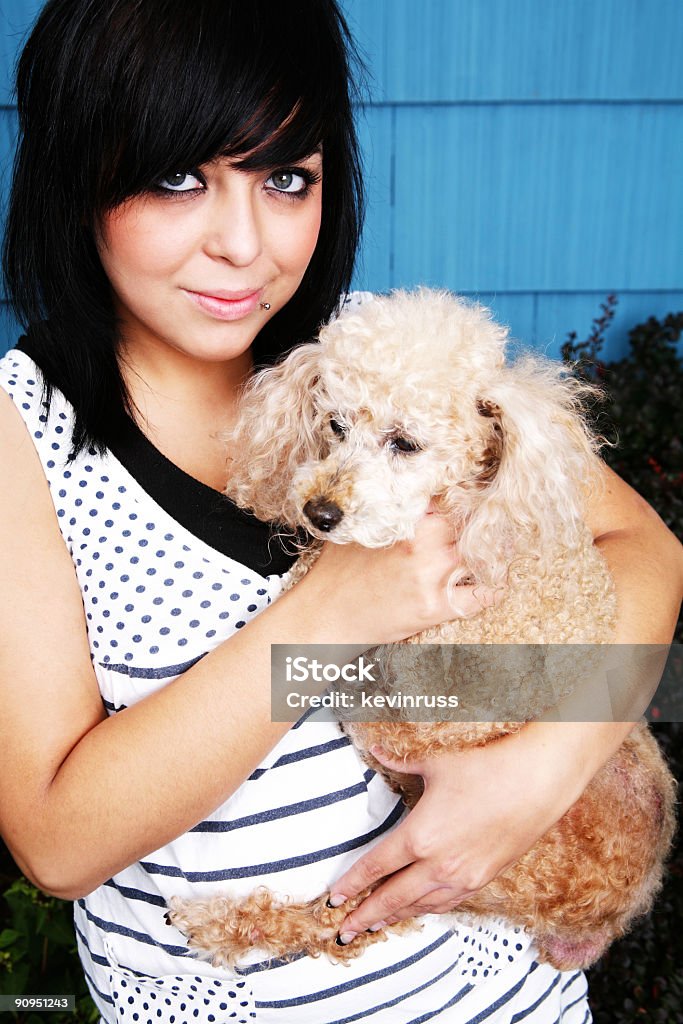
(278, 429)
(542, 465)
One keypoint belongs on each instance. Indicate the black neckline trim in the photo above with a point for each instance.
(205, 513)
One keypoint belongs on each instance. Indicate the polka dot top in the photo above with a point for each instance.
(168, 569)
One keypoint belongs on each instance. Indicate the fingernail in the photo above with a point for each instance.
(377, 927)
(336, 900)
(345, 938)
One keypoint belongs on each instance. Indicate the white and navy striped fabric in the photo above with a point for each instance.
(157, 597)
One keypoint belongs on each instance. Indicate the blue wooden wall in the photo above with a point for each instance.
(528, 152)
(524, 151)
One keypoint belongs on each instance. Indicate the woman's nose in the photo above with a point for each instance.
(234, 230)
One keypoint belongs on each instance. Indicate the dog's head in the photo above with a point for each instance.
(405, 400)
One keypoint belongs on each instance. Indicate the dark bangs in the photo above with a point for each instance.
(112, 97)
(193, 81)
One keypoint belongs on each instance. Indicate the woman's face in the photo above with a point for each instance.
(191, 262)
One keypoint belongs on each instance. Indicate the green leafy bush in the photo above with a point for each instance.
(643, 414)
(38, 949)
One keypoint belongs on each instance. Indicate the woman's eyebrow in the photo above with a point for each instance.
(245, 161)
(317, 152)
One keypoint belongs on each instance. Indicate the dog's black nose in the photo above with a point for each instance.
(324, 514)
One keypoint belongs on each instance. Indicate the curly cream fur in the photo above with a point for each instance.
(505, 451)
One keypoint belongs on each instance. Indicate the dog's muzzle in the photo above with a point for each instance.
(323, 514)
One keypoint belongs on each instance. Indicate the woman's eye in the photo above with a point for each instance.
(181, 181)
(287, 181)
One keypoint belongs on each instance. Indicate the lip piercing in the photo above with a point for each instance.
(265, 305)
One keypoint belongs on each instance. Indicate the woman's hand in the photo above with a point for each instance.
(482, 809)
(382, 595)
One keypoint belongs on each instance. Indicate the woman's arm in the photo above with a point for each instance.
(67, 770)
(645, 559)
(483, 808)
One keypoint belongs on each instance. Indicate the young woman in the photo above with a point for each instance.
(186, 204)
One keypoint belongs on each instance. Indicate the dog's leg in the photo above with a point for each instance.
(222, 930)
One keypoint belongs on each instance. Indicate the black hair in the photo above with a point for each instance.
(113, 95)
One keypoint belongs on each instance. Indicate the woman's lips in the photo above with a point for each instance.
(226, 306)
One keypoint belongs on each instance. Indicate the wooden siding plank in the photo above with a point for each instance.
(8, 135)
(9, 329)
(375, 132)
(8, 138)
(16, 17)
(483, 50)
(520, 198)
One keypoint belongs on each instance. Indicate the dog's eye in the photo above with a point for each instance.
(337, 428)
(403, 445)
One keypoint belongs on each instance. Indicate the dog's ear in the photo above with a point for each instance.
(278, 429)
(536, 471)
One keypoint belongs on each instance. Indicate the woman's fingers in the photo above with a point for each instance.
(469, 600)
(395, 900)
(442, 899)
(389, 856)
